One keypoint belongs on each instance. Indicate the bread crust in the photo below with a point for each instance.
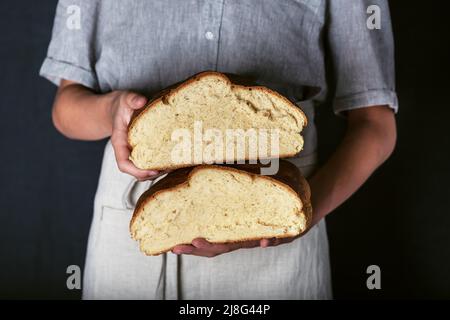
(288, 177)
(232, 79)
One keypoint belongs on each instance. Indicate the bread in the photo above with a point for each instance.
(221, 204)
(210, 101)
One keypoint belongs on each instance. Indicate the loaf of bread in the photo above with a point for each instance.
(221, 204)
(212, 102)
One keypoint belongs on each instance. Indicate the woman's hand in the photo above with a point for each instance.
(203, 248)
(124, 103)
(80, 113)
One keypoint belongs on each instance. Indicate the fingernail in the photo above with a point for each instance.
(152, 173)
(139, 100)
(265, 243)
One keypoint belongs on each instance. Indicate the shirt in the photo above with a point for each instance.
(287, 45)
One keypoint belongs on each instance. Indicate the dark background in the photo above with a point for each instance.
(399, 220)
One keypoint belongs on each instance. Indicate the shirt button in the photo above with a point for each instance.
(209, 35)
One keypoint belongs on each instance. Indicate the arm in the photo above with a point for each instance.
(368, 142)
(80, 113)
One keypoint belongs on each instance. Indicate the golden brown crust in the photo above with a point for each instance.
(232, 79)
(288, 177)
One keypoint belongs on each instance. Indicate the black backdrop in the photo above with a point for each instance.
(399, 220)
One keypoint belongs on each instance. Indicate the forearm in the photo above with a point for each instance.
(80, 113)
(367, 144)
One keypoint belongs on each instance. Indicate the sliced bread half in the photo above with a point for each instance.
(214, 111)
(221, 204)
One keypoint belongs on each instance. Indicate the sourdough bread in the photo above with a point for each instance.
(221, 204)
(212, 103)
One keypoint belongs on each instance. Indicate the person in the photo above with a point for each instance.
(122, 52)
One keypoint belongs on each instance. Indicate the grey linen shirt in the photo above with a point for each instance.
(147, 45)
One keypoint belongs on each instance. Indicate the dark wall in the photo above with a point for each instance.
(47, 182)
(399, 220)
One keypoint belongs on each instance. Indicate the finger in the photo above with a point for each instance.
(273, 242)
(126, 166)
(134, 100)
(183, 249)
(264, 243)
(207, 249)
(205, 245)
(202, 247)
(219, 248)
(191, 250)
(156, 174)
(202, 243)
(243, 245)
(122, 154)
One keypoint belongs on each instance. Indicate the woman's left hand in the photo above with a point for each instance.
(201, 247)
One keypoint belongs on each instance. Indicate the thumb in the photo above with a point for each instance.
(135, 100)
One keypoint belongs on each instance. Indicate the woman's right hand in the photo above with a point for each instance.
(124, 103)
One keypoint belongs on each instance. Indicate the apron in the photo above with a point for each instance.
(116, 269)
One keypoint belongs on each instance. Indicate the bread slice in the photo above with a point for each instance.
(212, 101)
(221, 204)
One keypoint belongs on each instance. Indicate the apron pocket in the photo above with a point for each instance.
(114, 230)
(119, 265)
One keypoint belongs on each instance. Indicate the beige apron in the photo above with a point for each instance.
(116, 269)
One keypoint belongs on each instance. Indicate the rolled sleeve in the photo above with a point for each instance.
(366, 99)
(55, 70)
(71, 53)
(362, 58)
